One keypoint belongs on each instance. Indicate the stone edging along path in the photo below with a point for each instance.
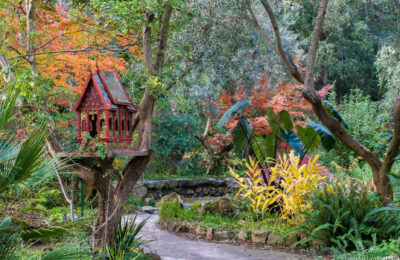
(256, 238)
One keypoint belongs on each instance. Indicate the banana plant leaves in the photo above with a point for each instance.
(232, 111)
(309, 137)
(293, 141)
(328, 141)
(241, 134)
(329, 107)
(263, 147)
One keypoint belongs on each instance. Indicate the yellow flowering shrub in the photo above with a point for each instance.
(288, 187)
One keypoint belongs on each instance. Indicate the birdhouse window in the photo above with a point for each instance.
(83, 125)
(116, 124)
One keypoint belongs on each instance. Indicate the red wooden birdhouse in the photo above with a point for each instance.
(105, 114)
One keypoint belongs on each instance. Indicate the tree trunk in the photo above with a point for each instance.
(30, 49)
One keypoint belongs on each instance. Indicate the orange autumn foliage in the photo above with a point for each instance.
(283, 96)
(59, 30)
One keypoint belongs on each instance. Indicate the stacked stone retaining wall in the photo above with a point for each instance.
(188, 187)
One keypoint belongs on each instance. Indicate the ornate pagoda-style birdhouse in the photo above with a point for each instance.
(105, 113)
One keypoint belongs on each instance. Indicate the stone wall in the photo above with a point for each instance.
(197, 187)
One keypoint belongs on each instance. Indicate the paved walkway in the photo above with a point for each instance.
(172, 247)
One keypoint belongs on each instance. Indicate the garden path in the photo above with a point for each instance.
(172, 247)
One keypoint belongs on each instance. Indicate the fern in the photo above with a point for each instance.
(338, 217)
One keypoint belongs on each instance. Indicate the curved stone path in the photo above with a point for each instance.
(172, 247)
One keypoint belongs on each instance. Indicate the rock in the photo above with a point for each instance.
(317, 244)
(242, 235)
(259, 236)
(171, 199)
(209, 234)
(191, 228)
(139, 192)
(148, 209)
(200, 231)
(213, 191)
(152, 256)
(291, 239)
(172, 225)
(198, 190)
(273, 239)
(221, 190)
(223, 206)
(189, 192)
(223, 235)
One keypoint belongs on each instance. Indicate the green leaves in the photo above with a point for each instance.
(263, 147)
(308, 136)
(327, 139)
(328, 106)
(232, 111)
(241, 133)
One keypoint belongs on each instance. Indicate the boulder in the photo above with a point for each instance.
(200, 231)
(223, 235)
(152, 256)
(242, 235)
(139, 192)
(172, 225)
(273, 239)
(291, 239)
(259, 236)
(172, 198)
(223, 206)
(189, 192)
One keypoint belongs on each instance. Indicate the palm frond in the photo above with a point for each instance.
(68, 253)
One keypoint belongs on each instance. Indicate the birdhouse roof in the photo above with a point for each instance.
(109, 87)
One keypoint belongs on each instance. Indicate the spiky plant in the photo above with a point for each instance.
(127, 243)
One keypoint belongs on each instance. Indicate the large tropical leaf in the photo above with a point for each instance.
(284, 118)
(263, 147)
(241, 133)
(309, 137)
(291, 139)
(232, 111)
(274, 121)
(327, 139)
(330, 108)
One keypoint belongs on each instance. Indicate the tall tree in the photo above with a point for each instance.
(379, 167)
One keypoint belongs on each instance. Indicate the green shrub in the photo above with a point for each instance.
(338, 217)
(365, 120)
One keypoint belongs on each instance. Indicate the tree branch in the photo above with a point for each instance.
(162, 39)
(280, 51)
(90, 48)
